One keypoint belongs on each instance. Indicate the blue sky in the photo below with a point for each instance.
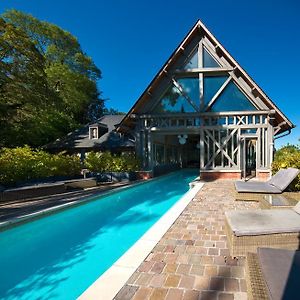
(130, 40)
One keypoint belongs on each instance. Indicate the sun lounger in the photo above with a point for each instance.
(273, 274)
(253, 190)
(249, 229)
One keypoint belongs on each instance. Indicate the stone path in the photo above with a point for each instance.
(192, 260)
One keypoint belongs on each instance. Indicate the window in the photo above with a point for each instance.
(208, 60)
(191, 89)
(211, 85)
(181, 99)
(93, 132)
(232, 99)
(193, 61)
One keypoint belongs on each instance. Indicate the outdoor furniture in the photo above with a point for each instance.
(249, 229)
(253, 190)
(273, 274)
(274, 201)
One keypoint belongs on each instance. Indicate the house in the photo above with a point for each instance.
(98, 136)
(202, 109)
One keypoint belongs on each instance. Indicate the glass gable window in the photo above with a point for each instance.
(211, 85)
(173, 102)
(190, 87)
(208, 60)
(193, 61)
(232, 99)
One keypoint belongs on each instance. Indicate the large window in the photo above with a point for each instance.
(173, 102)
(192, 62)
(211, 85)
(232, 99)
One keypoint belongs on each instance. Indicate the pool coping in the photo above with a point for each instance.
(111, 281)
(51, 210)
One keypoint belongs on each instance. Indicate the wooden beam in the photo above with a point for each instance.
(204, 70)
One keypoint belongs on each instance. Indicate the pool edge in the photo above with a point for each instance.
(110, 282)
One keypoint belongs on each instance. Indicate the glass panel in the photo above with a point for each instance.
(209, 61)
(193, 62)
(232, 99)
(211, 85)
(173, 102)
(191, 88)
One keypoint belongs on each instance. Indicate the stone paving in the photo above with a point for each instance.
(192, 260)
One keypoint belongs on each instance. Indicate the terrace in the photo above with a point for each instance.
(192, 260)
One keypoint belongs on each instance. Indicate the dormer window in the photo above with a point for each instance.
(94, 134)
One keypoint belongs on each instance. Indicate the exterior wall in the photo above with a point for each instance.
(221, 137)
(220, 175)
(263, 175)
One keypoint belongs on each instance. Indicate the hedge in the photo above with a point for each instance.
(107, 162)
(285, 157)
(23, 164)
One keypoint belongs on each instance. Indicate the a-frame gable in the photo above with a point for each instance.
(201, 53)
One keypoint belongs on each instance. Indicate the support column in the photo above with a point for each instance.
(150, 152)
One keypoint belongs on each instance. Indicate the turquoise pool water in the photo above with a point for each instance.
(61, 255)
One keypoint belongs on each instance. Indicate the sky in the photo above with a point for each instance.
(130, 41)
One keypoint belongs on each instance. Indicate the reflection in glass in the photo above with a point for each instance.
(191, 88)
(193, 62)
(208, 60)
(173, 102)
(211, 85)
(232, 99)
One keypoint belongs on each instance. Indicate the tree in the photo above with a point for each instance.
(47, 84)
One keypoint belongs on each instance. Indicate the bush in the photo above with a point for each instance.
(107, 162)
(286, 157)
(23, 163)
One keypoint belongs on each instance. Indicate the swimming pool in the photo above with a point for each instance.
(60, 255)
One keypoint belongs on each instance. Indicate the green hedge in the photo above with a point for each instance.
(23, 163)
(285, 157)
(107, 162)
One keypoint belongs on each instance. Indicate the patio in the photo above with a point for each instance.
(192, 260)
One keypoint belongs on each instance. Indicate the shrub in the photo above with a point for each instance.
(286, 157)
(23, 163)
(107, 162)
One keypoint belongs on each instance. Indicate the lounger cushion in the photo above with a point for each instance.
(296, 208)
(283, 178)
(257, 222)
(256, 187)
(281, 272)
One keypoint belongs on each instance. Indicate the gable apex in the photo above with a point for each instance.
(221, 56)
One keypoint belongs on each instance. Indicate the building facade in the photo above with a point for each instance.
(203, 110)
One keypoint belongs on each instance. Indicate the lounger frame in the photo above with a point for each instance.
(241, 245)
(256, 285)
(258, 196)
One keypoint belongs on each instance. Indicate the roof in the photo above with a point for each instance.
(197, 29)
(109, 139)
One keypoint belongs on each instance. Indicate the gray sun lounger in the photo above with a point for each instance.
(276, 185)
(249, 229)
(273, 274)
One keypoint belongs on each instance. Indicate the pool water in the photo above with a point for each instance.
(61, 255)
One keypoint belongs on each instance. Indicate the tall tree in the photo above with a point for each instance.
(58, 83)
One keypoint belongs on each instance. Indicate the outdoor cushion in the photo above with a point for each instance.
(296, 208)
(283, 178)
(256, 187)
(281, 272)
(257, 222)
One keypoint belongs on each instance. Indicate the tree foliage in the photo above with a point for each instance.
(23, 163)
(47, 84)
(286, 157)
(107, 162)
